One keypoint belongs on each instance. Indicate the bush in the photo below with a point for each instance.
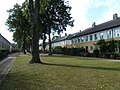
(73, 51)
(96, 52)
(3, 53)
(58, 50)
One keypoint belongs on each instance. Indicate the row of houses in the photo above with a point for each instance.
(88, 37)
(5, 44)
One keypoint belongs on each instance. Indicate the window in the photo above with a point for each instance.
(91, 38)
(91, 49)
(95, 36)
(82, 39)
(72, 41)
(86, 49)
(86, 38)
(78, 40)
(75, 40)
(101, 36)
(109, 34)
(117, 33)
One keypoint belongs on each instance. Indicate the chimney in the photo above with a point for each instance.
(80, 31)
(93, 25)
(65, 34)
(115, 16)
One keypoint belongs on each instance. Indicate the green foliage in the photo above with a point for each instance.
(58, 50)
(112, 45)
(55, 17)
(3, 53)
(44, 15)
(18, 23)
(96, 52)
(14, 51)
(108, 49)
(102, 45)
(69, 51)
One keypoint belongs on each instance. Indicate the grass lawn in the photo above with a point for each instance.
(63, 73)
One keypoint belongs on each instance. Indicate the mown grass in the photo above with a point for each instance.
(63, 73)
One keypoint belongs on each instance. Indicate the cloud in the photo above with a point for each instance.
(112, 8)
(80, 9)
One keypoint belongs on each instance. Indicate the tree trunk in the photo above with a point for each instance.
(50, 49)
(44, 44)
(35, 40)
(35, 47)
(24, 43)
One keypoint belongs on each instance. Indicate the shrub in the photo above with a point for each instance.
(58, 50)
(3, 53)
(96, 52)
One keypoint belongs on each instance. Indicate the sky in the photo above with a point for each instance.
(84, 12)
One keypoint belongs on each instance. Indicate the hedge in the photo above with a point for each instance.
(3, 53)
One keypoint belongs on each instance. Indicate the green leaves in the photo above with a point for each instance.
(18, 23)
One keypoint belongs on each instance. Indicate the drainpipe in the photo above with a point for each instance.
(112, 33)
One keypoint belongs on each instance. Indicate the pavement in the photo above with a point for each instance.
(5, 65)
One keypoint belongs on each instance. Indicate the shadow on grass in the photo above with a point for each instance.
(86, 67)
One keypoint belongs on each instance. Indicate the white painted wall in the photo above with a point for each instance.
(115, 32)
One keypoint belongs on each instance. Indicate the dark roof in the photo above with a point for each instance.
(72, 35)
(100, 27)
(64, 37)
(5, 39)
(59, 39)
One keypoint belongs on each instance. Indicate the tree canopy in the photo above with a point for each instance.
(19, 24)
(34, 20)
(56, 18)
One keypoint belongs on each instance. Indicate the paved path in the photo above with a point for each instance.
(5, 65)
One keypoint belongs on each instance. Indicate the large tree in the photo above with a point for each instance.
(38, 18)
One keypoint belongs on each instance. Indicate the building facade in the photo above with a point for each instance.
(4, 43)
(88, 37)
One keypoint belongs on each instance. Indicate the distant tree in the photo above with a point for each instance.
(58, 17)
(44, 30)
(19, 25)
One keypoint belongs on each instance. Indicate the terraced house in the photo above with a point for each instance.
(64, 41)
(88, 37)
